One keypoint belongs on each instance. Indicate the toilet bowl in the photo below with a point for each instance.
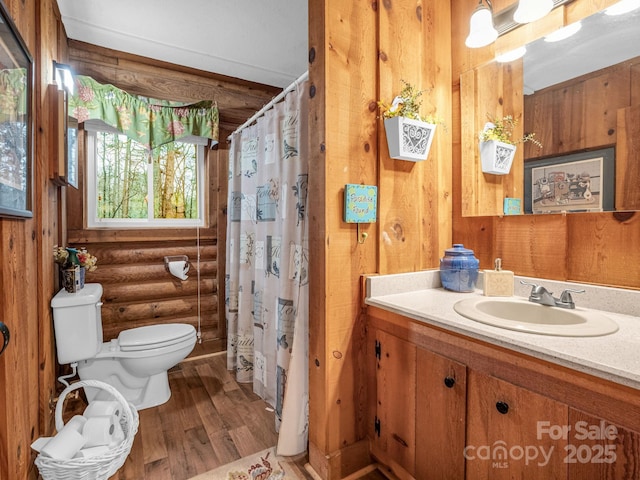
(135, 363)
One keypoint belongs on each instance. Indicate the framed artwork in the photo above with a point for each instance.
(16, 144)
(575, 182)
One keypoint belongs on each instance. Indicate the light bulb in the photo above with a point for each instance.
(511, 55)
(564, 32)
(481, 29)
(532, 10)
(622, 7)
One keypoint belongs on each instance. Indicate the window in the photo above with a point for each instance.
(128, 186)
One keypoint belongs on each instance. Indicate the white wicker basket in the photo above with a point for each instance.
(101, 466)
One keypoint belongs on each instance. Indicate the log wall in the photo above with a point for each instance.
(138, 290)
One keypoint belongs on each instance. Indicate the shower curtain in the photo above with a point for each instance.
(267, 274)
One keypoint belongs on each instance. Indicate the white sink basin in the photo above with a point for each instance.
(524, 316)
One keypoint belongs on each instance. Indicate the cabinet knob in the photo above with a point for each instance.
(449, 382)
(502, 407)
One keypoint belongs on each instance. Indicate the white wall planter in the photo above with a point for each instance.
(408, 139)
(496, 156)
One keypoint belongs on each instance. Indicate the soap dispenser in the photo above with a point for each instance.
(498, 282)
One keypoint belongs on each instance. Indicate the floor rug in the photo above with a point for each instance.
(264, 465)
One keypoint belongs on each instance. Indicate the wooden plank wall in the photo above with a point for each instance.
(27, 380)
(489, 91)
(343, 149)
(415, 196)
(359, 52)
(599, 248)
(628, 158)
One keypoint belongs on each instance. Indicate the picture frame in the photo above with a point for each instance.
(574, 182)
(16, 132)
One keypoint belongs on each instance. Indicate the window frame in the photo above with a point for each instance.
(92, 220)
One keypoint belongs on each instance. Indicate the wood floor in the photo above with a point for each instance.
(210, 420)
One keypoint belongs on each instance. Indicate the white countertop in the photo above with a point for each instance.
(615, 357)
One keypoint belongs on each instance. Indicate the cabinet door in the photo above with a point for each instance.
(599, 449)
(511, 431)
(441, 395)
(395, 396)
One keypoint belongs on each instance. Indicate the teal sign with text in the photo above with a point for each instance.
(360, 203)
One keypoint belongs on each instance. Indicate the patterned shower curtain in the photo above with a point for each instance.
(267, 272)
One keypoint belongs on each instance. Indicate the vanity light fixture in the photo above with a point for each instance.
(63, 76)
(622, 7)
(531, 10)
(511, 55)
(481, 29)
(485, 27)
(564, 32)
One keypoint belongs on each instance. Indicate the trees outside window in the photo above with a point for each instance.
(128, 185)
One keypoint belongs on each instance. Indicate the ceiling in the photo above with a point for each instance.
(261, 41)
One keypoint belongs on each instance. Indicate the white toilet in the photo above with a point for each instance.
(135, 363)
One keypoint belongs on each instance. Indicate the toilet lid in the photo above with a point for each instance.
(154, 336)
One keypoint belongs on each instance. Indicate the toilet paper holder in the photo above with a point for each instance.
(174, 258)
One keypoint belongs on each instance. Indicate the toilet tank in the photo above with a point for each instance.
(77, 321)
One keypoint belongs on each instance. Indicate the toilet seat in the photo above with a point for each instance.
(154, 336)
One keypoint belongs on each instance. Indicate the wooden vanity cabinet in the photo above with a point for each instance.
(504, 437)
(445, 406)
(392, 424)
(601, 450)
(418, 422)
(441, 413)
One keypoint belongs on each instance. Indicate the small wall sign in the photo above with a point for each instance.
(360, 202)
(512, 206)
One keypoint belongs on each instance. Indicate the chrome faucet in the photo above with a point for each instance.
(541, 295)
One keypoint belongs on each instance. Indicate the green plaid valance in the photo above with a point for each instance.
(147, 121)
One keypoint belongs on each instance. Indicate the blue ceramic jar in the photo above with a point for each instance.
(459, 269)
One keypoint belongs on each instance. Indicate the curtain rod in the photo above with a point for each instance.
(281, 95)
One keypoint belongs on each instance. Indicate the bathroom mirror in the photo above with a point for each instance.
(585, 111)
(578, 96)
(602, 41)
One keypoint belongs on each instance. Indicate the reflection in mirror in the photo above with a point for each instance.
(582, 94)
(602, 41)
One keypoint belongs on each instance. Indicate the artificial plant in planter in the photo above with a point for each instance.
(73, 264)
(409, 135)
(497, 146)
